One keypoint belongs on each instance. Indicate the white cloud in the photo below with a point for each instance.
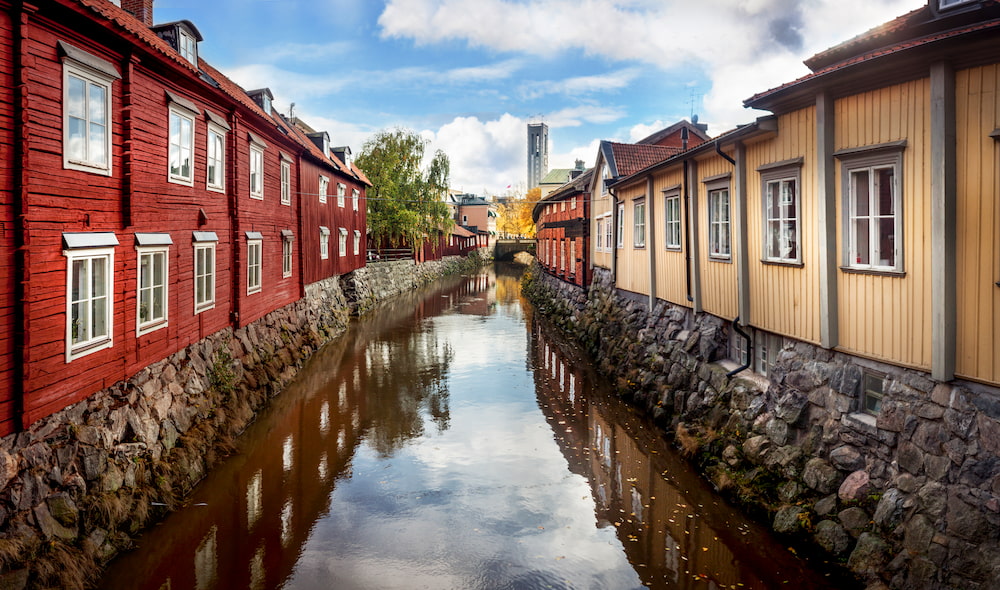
(582, 85)
(483, 154)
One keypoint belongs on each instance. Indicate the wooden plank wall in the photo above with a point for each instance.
(633, 263)
(718, 277)
(888, 318)
(670, 264)
(8, 171)
(978, 247)
(785, 299)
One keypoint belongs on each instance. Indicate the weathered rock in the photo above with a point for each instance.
(889, 512)
(777, 431)
(855, 487)
(854, 519)
(832, 537)
(869, 556)
(826, 506)
(51, 527)
(756, 448)
(789, 519)
(821, 476)
(847, 458)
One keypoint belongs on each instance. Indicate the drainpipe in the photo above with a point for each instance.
(739, 190)
(749, 347)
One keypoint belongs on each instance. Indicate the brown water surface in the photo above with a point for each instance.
(450, 441)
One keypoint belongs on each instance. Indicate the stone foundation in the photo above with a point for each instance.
(77, 485)
(909, 499)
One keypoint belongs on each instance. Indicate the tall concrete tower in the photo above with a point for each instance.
(538, 153)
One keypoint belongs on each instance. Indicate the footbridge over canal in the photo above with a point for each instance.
(506, 249)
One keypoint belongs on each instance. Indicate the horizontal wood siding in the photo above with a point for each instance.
(8, 169)
(785, 299)
(718, 278)
(334, 217)
(633, 263)
(671, 274)
(978, 231)
(889, 318)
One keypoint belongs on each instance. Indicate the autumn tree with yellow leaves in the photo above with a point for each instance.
(514, 215)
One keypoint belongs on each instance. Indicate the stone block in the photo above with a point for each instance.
(889, 512)
(918, 534)
(855, 486)
(832, 537)
(50, 527)
(789, 519)
(910, 458)
(929, 436)
(847, 458)
(826, 506)
(967, 521)
(755, 449)
(821, 476)
(961, 424)
(989, 433)
(846, 380)
(869, 556)
(777, 431)
(854, 520)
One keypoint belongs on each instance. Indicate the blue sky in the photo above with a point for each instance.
(469, 75)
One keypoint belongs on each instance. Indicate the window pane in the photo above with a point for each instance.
(100, 312)
(859, 182)
(862, 243)
(883, 187)
(886, 237)
(789, 240)
(79, 287)
(774, 241)
(144, 271)
(98, 269)
(98, 145)
(76, 98)
(97, 104)
(77, 147)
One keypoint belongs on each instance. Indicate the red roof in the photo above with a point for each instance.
(632, 157)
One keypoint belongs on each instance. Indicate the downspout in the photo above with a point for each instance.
(22, 277)
(736, 321)
(234, 219)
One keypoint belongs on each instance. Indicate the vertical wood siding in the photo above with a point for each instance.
(785, 299)
(8, 301)
(601, 206)
(884, 317)
(633, 263)
(670, 264)
(978, 231)
(718, 278)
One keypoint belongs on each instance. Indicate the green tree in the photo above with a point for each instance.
(405, 203)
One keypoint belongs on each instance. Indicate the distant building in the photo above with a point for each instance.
(560, 176)
(538, 153)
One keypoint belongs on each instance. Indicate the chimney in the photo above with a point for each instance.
(140, 9)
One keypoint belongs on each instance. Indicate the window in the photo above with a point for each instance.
(151, 291)
(341, 193)
(672, 210)
(639, 224)
(355, 197)
(87, 82)
(89, 295)
(871, 396)
(342, 242)
(324, 242)
(255, 246)
(323, 183)
(286, 182)
(562, 254)
(874, 215)
(572, 204)
(608, 228)
(181, 146)
(621, 225)
(256, 171)
(204, 270)
(782, 213)
(216, 155)
(599, 235)
(287, 237)
(357, 241)
(945, 4)
(187, 46)
(605, 178)
(718, 224)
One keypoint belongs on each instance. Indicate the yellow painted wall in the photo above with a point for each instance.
(718, 279)
(882, 317)
(670, 264)
(978, 231)
(633, 263)
(785, 299)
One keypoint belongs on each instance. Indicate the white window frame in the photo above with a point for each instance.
(287, 238)
(286, 182)
(204, 251)
(255, 264)
(324, 183)
(871, 161)
(639, 223)
(608, 232)
(215, 140)
(948, 4)
(324, 242)
(672, 219)
(599, 234)
(89, 248)
(187, 46)
(157, 248)
(342, 242)
(176, 150)
(94, 72)
(781, 230)
(720, 237)
(256, 171)
(341, 193)
(355, 196)
(357, 241)
(620, 226)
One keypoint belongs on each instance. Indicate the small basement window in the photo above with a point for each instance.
(873, 385)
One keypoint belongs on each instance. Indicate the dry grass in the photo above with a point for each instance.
(108, 510)
(11, 552)
(63, 566)
(687, 440)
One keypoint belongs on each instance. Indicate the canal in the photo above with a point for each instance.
(449, 441)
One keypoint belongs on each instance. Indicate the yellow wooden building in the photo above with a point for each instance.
(862, 216)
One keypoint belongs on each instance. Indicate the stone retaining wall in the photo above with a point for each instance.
(909, 499)
(77, 485)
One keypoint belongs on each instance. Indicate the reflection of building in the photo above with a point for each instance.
(666, 518)
(538, 153)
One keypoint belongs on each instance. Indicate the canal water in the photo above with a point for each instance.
(450, 441)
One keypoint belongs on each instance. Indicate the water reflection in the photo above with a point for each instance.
(441, 444)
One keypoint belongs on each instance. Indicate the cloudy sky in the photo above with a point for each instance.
(470, 74)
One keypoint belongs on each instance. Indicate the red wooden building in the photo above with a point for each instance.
(562, 220)
(146, 201)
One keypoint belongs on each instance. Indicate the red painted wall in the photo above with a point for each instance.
(8, 299)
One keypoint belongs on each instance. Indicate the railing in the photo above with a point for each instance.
(388, 254)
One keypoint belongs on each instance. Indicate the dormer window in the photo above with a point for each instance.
(263, 98)
(946, 4)
(187, 46)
